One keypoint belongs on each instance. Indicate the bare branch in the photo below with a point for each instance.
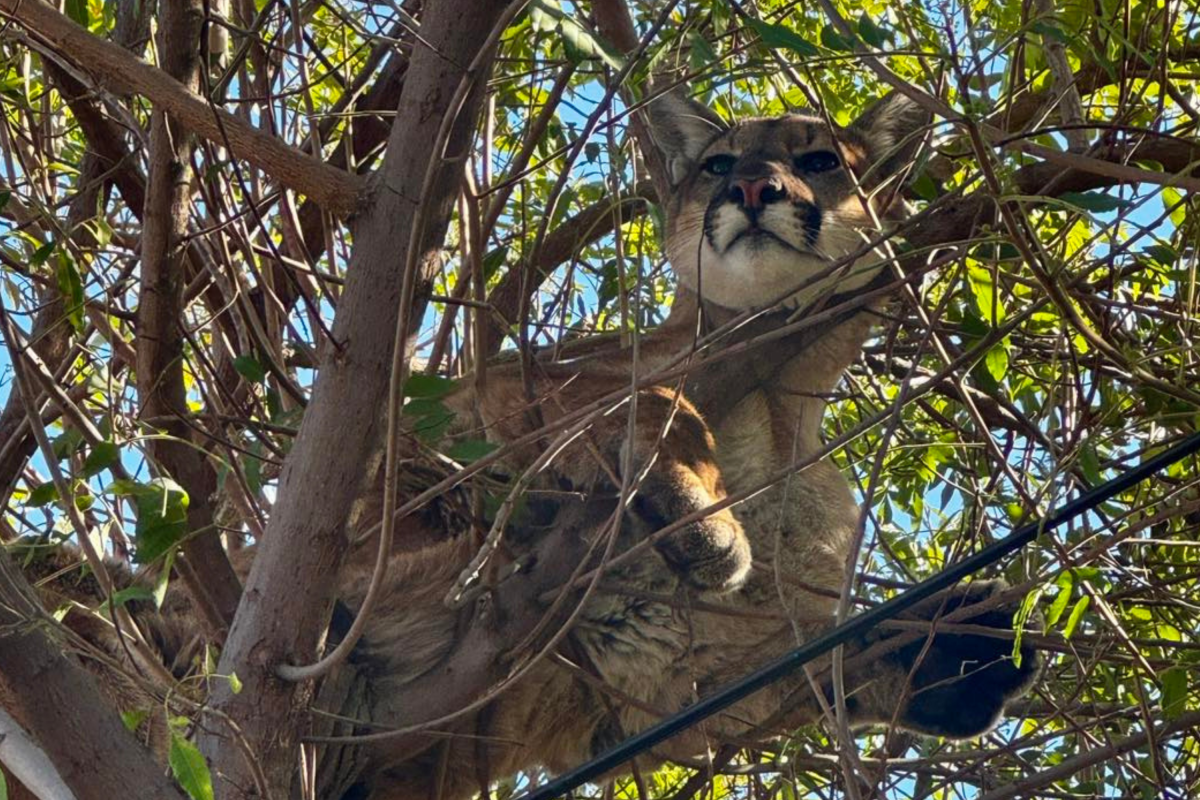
(1097, 755)
(335, 190)
(589, 225)
(25, 760)
(211, 581)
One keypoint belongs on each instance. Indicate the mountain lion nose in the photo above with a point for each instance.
(754, 194)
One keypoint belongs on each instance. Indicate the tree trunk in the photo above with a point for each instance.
(289, 593)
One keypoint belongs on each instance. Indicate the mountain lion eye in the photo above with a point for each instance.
(820, 161)
(718, 165)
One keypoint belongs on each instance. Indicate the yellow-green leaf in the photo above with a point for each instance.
(190, 769)
(1081, 605)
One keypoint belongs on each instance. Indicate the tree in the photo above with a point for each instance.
(207, 255)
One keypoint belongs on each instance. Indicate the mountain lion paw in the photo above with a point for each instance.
(963, 682)
(711, 553)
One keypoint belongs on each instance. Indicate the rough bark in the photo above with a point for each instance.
(289, 593)
(335, 190)
(1177, 156)
(58, 703)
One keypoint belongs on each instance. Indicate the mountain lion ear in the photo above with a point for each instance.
(682, 128)
(893, 129)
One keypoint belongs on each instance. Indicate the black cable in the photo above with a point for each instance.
(856, 626)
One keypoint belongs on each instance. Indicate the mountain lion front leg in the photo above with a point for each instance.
(683, 480)
(549, 718)
(671, 451)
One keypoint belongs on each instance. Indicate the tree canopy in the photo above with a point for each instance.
(215, 215)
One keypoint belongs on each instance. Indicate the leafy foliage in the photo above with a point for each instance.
(998, 397)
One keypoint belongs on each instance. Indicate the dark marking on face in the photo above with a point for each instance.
(811, 218)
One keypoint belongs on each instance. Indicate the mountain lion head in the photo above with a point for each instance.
(762, 207)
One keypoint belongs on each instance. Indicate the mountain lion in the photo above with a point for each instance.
(758, 213)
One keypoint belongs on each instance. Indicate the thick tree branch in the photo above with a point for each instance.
(104, 138)
(335, 190)
(211, 580)
(1177, 156)
(289, 594)
(24, 760)
(58, 703)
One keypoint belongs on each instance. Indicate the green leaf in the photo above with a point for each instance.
(433, 427)
(77, 10)
(1162, 254)
(71, 286)
(1028, 604)
(252, 466)
(132, 720)
(1065, 583)
(470, 450)
(235, 683)
(1171, 198)
(871, 33)
(124, 487)
(494, 260)
(703, 54)
(210, 660)
(428, 386)
(161, 515)
(579, 43)
(190, 769)
(996, 362)
(42, 494)
(1094, 201)
(1089, 462)
(835, 41)
(3, 787)
(103, 455)
(924, 187)
(123, 596)
(84, 500)
(40, 255)
(274, 405)
(1174, 691)
(1081, 605)
(425, 406)
(249, 368)
(987, 295)
(66, 444)
(1047, 29)
(786, 38)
